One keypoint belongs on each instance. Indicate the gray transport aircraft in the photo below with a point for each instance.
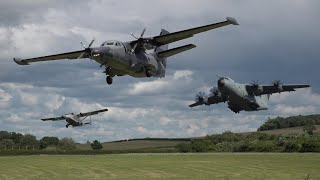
(75, 119)
(243, 97)
(131, 58)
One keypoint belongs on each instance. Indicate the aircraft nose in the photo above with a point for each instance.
(100, 52)
(221, 82)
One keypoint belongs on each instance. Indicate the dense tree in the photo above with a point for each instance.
(29, 141)
(48, 141)
(6, 144)
(309, 128)
(66, 144)
(96, 145)
(293, 121)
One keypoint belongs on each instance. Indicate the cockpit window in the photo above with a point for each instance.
(110, 43)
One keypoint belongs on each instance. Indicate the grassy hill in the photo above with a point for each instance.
(170, 143)
(131, 144)
(285, 131)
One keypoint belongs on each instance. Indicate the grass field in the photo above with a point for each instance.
(163, 166)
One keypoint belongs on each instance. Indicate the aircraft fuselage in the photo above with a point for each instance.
(238, 97)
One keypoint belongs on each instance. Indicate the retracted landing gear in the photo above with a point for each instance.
(109, 79)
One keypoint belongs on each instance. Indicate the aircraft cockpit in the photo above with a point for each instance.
(111, 43)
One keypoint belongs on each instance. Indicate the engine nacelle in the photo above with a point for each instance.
(258, 89)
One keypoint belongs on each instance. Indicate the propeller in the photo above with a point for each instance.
(215, 91)
(140, 40)
(277, 82)
(86, 50)
(255, 83)
(200, 96)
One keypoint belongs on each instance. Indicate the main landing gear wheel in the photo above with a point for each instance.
(67, 125)
(109, 79)
(148, 73)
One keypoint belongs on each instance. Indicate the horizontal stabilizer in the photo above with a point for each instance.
(174, 51)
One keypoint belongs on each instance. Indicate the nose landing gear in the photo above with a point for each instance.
(148, 73)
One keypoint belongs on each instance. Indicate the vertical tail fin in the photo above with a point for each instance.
(162, 48)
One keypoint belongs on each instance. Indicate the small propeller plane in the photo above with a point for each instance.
(131, 58)
(75, 119)
(246, 97)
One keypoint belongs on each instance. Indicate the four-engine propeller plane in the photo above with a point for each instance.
(75, 119)
(243, 97)
(131, 58)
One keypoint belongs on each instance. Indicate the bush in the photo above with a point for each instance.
(96, 145)
(184, 147)
(66, 144)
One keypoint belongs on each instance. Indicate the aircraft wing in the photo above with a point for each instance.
(210, 100)
(271, 89)
(174, 51)
(91, 113)
(54, 119)
(68, 55)
(177, 36)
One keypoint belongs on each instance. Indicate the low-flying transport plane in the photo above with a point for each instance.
(130, 58)
(76, 119)
(243, 97)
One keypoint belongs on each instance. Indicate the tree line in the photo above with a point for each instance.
(293, 121)
(17, 141)
(254, 142)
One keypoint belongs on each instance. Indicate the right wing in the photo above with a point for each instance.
(91, 113)
(177, 36)
(208, 100)
(54, 119)
(68, 55)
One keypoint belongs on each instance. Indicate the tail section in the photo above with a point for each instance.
(159, 49)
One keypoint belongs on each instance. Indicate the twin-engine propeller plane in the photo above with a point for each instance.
(130, 58)
(243, 97)
(75, 119)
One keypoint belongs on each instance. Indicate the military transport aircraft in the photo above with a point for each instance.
(246, 97)
(131, 58)
(75, 119)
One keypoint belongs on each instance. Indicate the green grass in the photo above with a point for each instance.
(135, 144)
(163, 166)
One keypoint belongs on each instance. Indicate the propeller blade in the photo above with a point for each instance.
(143, 31)
(91, 42)
(82, 44)
(134, 48)
(133, 35)
(81, 55)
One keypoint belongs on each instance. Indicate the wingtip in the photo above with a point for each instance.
(232, 20)
(20, 61)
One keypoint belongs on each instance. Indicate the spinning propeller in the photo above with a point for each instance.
(215, 91)
(140, 40)
(200, 96)
(87, 50)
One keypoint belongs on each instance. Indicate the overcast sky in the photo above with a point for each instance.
(275, 40)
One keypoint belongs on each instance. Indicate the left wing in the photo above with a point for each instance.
(214, 99)
(271, 89)
(91, 113)
(69, 55)
(54, 118)
(177, 36)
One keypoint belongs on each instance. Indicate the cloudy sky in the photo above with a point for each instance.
(275, 40)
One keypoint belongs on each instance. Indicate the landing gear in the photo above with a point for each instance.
(109, 79)
(108, 70)
(148, 73)
(67, 125)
